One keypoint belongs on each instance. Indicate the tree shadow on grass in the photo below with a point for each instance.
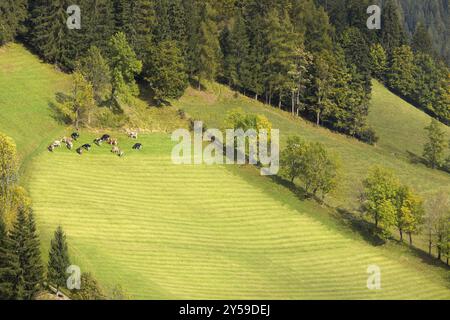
(367, 230)
(299, 192)
(57, 114)
(415, 159)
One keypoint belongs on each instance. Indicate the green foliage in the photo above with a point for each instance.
(410, 212)
(421, 41)
(8, 172)
(401, 70)
(235, 46)
(392, 32)
(208, 45)
(434, 149)
(165, 71)
(379, 196)
(58, 260)
(436, 223)
(124, 65)
(95, 70)
(11, 280)
(25, 242)
(90, 289)
(78, 107)
(379, 61)
(12, 17)
(312, 164)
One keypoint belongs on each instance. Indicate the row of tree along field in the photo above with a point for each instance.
(389, 203)
(292, 54)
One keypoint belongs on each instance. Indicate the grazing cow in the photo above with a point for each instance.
(67, 140)
(133, 134)
(113, 142)
(115, 150)
(56, 144)
(69, 145)
(80, 151)
(137, 146)
(86, 147)
(75, 136)
(105, 137)
(98, 141)
(51, 148)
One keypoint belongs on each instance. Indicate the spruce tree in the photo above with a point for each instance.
(236, 50)
(98, 23)
(58, 261)
(50, 35)
(26, 244)
(33, 268)
(11, 280)
(208, 45)
(421, 41)
(13, 14)
(124, 66)
(392, 32)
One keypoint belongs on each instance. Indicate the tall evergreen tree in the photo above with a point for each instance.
(11, 280)
(236, 50)
(208, 45)
(13, 14)
(421, 41)
(26, 245)
(58, 261)
(392, 32)
(50, 35)
(98, 23)
(124, 66)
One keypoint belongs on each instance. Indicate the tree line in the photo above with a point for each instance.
(311, 58)
(390, 204)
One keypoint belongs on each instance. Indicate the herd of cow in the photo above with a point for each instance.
(106, 138)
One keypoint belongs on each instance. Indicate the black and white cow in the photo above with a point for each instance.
(137, 146)
(75, 136)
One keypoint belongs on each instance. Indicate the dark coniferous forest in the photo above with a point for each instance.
(312, 58)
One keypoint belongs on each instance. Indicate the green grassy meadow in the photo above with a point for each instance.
(399, 125)
(165, 231)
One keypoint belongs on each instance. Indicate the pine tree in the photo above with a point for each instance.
(58, 261)
(95, 69)
(124, 66)
(378, 62)
(26, 244)
(392, 32)
(236, 50)
(50, 35)
(137, 20)
(192, 27)
(11, 280)
(13, 14)
(166, 72)
(400, 75)
(421, 41)
(32, 268)
(98, 23)
(208, 45)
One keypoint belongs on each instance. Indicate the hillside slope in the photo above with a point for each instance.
(399, 125)
(167, 231)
